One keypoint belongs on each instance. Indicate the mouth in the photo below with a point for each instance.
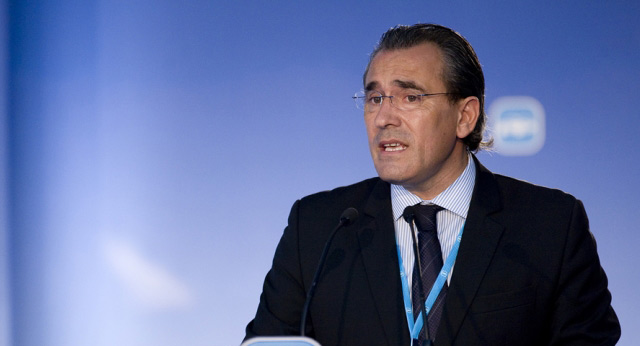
(392, 146)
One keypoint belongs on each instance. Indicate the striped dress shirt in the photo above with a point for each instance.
(455, 201)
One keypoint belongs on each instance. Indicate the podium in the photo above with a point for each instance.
(280, 341)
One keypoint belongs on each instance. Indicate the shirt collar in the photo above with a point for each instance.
(455, 198)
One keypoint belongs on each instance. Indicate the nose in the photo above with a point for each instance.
(387, 114)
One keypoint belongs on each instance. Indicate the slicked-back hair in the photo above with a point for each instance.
(462, 73)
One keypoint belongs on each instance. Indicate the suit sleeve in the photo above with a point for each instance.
(283, 293)
(583, 314)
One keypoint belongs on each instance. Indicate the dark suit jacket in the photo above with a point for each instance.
(527, 272)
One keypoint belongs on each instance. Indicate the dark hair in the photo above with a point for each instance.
(463, 75)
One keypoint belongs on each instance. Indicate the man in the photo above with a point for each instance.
(526, 271)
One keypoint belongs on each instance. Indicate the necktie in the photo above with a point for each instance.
(431, 263)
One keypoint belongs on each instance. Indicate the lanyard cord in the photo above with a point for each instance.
(414, 328)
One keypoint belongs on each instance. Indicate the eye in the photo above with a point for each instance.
(412, 98)
(374, 98)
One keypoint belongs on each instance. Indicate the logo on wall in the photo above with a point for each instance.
(518, 125)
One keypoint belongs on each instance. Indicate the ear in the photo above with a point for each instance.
(468, 113)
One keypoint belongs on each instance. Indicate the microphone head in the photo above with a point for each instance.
(349, 216)
(408, 213)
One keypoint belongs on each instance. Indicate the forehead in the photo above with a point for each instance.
(421, 65)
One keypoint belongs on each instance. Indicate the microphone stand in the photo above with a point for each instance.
(348, 216)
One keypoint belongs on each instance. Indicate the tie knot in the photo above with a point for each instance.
(425, 217)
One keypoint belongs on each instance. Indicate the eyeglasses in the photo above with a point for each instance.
(371, 101)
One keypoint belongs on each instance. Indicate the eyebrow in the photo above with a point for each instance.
(407, 85)
(371, 86)
(400, 83)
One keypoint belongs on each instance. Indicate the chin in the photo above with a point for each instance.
(391, 177)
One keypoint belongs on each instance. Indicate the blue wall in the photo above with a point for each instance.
(4, 256)
(149, 143)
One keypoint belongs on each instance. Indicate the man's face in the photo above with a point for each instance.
(417, 149)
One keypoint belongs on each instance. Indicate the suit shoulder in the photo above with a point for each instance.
(350, 194)
(319, 212)
(516, 189)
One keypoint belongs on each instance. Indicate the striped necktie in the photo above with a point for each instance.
(431, 264)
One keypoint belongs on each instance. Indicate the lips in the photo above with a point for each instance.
(392, 146)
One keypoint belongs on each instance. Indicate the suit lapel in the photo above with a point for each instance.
(376, 237)
(479, 241)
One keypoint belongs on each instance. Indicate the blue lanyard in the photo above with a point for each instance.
(414, 328)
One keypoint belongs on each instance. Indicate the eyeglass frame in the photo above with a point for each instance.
(361, 99)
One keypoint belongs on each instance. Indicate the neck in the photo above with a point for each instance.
(445, 177)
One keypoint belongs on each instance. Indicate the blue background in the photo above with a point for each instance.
(151, 150)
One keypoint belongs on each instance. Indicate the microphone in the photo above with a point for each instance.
(409, 214)
(346, 218)
(349, 216)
